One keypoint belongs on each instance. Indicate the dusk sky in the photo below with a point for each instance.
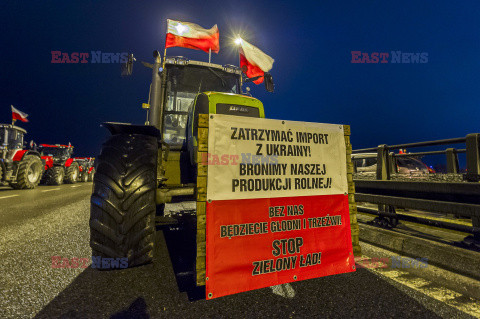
(311, 42)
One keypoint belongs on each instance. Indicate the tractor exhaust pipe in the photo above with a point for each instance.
(156, 93)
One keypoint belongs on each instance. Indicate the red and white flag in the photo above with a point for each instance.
(19, 115)
(253, 61)
(192, 36)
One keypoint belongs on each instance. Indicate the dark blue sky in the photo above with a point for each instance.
(311, 43)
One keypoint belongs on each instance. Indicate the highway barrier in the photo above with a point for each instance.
(460, 198)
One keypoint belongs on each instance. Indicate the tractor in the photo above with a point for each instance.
(19, 167)
(59, 165)
(143, 167)
(86, 168)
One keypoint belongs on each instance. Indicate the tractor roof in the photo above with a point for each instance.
(10, 126)
(55, 145)
(180, 60)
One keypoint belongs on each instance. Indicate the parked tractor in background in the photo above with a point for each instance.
(86, 168)
(19, 167)
(59, 165)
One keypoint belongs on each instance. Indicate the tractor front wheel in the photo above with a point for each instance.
(90, 176)
(71, 173)
(29, 173)
(122, 214)
(83, 176)
(54, 176)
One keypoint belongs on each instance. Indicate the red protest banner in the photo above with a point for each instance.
(256, 243)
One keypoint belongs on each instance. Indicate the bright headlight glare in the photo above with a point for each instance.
(170, 61)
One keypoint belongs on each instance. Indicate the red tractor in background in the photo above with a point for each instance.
(59, 164)
(19, 167)
(86, 167)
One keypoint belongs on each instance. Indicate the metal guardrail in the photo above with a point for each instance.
(385, 158)
(459, 198)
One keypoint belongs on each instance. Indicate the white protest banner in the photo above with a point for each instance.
(263, 158)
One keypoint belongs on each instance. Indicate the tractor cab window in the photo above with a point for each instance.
(55, 151)
(15, 139)
(183, 85)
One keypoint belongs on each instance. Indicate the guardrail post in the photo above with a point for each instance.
(452, 161)
(383, 163)
(452, 167)
(472, 144)
(393, 163)
(473, 157)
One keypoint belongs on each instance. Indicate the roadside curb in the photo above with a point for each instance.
(437, 276)
(458, 260)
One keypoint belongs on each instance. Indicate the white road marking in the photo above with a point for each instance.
(445, 295)
(8, 196)
(49, 190)
(75, 186)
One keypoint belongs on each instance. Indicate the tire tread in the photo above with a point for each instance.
(122, 214)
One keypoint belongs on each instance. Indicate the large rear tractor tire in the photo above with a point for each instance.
(54, 176)
(29, 172)
(71, 173)
(122, 214)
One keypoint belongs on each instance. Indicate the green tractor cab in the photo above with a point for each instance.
(219, 103)
(204, 103)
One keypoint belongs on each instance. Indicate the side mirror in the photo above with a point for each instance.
(269, 86)
(127, 67)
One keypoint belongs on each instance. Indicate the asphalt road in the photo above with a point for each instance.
(53, 221)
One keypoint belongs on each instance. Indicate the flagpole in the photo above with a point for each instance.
(209, 55)
(240, 66)
(165, 51)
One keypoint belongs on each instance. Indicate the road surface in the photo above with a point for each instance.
(53, 221)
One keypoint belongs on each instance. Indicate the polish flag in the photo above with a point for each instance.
(19, 115)
(253, 61)
(192, 36)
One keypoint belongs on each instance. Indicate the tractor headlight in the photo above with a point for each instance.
(231, 69)
(170, 61)
(182, 61)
